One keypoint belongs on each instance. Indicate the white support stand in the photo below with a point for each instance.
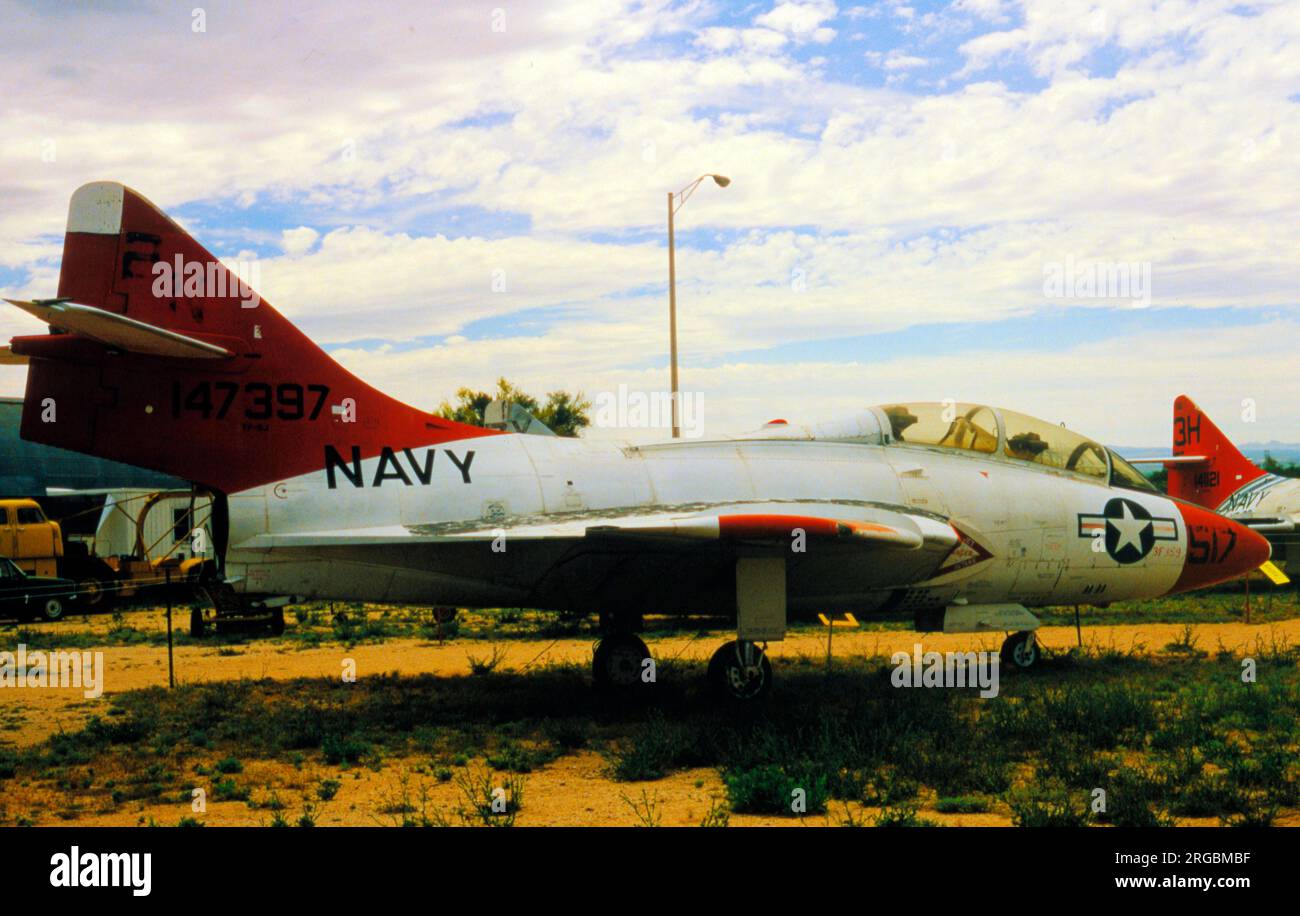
(760, 599)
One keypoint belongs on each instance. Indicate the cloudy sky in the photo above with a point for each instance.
(454, 191)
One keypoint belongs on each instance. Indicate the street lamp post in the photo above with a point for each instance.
(675, 203)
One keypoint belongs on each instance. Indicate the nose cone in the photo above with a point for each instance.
(1218, 549)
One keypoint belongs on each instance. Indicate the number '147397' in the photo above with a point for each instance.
(261, 400)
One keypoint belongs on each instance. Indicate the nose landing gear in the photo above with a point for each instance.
(1020, 651)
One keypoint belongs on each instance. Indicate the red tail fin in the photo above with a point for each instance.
(139, 389)
(1224, 471)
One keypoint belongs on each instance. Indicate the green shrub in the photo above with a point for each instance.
(1047, 806)
(902, 816)
(513, 757)
(1207, 795)
(1134, 798)
(963, 804)
(658, 747)
(772, 789)
(339, 750)
(229, 790)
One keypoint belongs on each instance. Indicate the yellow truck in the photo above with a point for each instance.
(36, 545)
(32, 541)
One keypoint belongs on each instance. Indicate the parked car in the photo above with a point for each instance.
(33, 597)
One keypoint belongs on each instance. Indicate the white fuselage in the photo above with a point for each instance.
(1035, 524)
(1271, 506)
(1269, 496)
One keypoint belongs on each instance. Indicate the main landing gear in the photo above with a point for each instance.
(1020, 651)
(740, 670)
(622, 662)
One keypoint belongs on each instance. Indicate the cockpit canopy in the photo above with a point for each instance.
(988, 431)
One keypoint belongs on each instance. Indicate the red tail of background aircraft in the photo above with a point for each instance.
(1210, 468)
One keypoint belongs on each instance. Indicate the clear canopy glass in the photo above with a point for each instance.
(947, 425)
(1006, 433)
(975, 428)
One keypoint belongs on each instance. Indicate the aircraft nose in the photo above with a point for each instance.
(1218, 548)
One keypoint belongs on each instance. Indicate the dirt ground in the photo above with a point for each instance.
(572, 790)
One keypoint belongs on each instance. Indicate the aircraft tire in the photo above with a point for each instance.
(197, 623)
(277, 621)
(729, 677)
(618, 662)
(1020, 651)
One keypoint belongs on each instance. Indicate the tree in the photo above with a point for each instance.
(1273, 466)
(564, 413)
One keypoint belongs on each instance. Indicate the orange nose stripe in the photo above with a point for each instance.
(1218, 548)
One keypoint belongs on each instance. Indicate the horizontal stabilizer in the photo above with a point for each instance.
(9, 358)
(1170, 459)
(119, 331)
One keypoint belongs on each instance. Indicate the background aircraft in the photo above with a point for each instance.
(1207, 469)
(956, 515)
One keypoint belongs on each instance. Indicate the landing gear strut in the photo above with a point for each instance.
(619, 662)
(1020, 651)
(740, 670)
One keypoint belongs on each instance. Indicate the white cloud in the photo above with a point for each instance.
(801, 20)
(1079, 387)
(895, 59)
(296, 242)
(914, 208)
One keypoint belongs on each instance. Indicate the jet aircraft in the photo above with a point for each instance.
(959, 516)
